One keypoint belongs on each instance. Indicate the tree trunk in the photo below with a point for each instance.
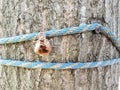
(27, 16)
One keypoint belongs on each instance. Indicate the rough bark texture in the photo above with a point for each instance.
(26, 16)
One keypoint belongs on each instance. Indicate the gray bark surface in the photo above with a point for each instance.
(26, 16)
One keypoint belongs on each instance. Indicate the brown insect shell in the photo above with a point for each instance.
(42, 47)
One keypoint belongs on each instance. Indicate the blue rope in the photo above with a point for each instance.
(66, 31)
(49, 65)
(53, 33)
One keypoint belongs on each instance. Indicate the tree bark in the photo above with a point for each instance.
(27, 16)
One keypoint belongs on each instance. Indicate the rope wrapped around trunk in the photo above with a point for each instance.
(54, 33)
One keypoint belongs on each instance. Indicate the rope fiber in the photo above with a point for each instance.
(54, 33)
(49, 65)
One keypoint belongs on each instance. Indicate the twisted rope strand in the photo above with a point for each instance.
(66, 31)
(49, 65)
